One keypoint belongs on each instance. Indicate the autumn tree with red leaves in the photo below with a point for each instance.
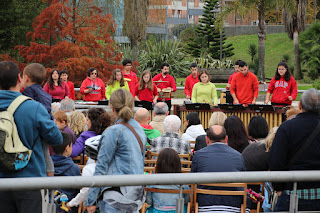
(73, 36)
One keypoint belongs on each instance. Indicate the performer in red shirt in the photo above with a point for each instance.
(191, 80)
(129, 76)
(64, 77)
(282, 86)
(93, 87)
(146, 90)
(244, 86)
(55, 87)
(164, 80)
(236, 70)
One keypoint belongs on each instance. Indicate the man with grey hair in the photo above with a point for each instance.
(67, 105)
(170, 139)
(296, 147)
(160, 111)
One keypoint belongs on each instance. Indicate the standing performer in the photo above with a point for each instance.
(116, 82)
(282, 86)
(146, 90)
(244, 86)
(93, 87)
(236, 70)
(204, 91)
(165, 81)
(191, 80)
(129, 76)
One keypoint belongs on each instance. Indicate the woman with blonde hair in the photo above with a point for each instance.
(77, 122)
(121, 152)
(116, 82)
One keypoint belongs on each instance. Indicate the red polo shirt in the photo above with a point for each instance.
(190, 82)
(146, 94)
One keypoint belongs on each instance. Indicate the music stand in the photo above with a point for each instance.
(144, 104)
(231, 107)
(198, 106)
(261, 107)
(103, 102)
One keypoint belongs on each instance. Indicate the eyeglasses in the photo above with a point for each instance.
(94, 73)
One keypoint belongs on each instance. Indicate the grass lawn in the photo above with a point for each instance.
(276, 45)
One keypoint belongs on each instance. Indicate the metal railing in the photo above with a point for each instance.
(13, 184)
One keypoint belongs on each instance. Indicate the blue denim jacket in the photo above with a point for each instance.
(119, 154)
(164, 202)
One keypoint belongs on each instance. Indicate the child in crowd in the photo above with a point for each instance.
(146, 90)
(91, 151)
(282, 86)
(77, 122)
(116, 82)
(65, 78)
(97, 121)
(61, 120)
(64, 166)
(33, 76)
(168, 162)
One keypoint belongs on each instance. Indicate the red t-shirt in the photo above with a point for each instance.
(71, 90)
(170, 82)
(190, 82)
(282, 89)
(246, 87)
(58, 92)
(146, 94)
(132, 80)
(230, 78)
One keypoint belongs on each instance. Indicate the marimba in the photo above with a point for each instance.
(273, 118)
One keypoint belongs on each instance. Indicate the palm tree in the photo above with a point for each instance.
(294, 18)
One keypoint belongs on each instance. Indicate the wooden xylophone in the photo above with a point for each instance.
(273, 118)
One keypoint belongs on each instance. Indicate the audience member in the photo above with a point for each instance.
(61, 120)
(168, 162)
(77, 122)
(93, 122)
(194, 127)
(64, 77)
(258, 129)
(67, 105)
(217, 157)
(143, 118)
(64, 166)
(55, 87)
(217, 118)
(170, 139)
(118, 157)
(160, 111)
(295, 147)
(93, 87)
(55, 106)
(237, 135)
(292, 112)
(33, 123)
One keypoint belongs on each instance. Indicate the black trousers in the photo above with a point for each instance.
(21, 202)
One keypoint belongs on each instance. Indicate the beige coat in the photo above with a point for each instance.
(157, 123)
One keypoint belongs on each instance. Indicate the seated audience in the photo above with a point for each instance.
(55, 107)
(61, 120)
(194, 127)
(168, 162)
(237, 135)
(64, 166)
(292, 112)
(217, 157)
(160, 111)
(77, 122)
(143, 118)
(258, 129)
(94, 120)
(170, 139)
(67, 105)
(217, 118)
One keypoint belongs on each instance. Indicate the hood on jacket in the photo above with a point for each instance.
(36, 92)
(194, 131)
(61, 164)
(6, 97)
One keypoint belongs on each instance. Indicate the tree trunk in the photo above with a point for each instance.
(74, 19)
(134, 48)
(262, 39)
(297, 67)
